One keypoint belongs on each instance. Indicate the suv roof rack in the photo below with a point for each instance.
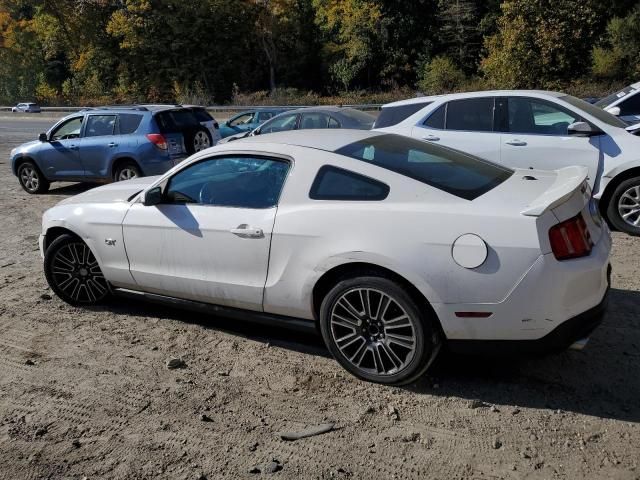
(121, 107)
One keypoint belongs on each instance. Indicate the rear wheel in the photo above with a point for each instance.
(126, 171)
(31, 179)
(623, 210)
(73, 273)
(377, 332)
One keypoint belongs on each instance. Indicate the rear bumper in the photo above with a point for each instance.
(562, 337)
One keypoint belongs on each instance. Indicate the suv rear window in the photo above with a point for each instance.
(176, 120)
(390, 116)
(454, 172)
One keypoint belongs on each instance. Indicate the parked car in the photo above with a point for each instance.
(312, 117)
(390, 246)
(110, 144)
(624, 104)
(28, 107)
(247, 121)
(533, 129)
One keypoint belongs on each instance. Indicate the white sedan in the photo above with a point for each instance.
(533, 129)
(390, 246)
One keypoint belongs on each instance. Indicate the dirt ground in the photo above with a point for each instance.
(85, 393)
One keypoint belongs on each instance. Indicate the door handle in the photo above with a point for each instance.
(245, 231)
(113, 144)
(431, 138)
(516, 143)
(74, 147)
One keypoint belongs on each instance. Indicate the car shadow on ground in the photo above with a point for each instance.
(602, 380)
(71, 189)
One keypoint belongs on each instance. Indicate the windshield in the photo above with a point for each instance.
(606, 101)
(594, 111)
(449, 170)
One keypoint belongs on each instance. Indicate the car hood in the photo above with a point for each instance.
(237, 136)
(112, 193)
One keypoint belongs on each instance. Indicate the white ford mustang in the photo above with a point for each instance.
(390, 246)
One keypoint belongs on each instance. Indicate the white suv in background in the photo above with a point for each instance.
(533, 129)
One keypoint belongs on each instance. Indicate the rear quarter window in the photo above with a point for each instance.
(128, 123)
(454, 172)
(333, 183)
(390, 116)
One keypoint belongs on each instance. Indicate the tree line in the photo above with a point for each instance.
(211, 51)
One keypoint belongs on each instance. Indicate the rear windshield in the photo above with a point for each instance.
(363, 119)
(594, 111)
(454, 172)
(606, 101)
(390, 116)
(176, 120)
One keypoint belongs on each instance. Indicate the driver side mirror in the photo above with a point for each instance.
(43, 137)
(614, 111)
(582, 129)
(152, 197)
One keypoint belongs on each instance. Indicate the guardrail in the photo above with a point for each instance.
(222, 108)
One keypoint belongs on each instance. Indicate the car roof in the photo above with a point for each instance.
(319, 139)
(319, 108)
(488, 93)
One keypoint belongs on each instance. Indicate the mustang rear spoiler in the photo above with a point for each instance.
(569, 180)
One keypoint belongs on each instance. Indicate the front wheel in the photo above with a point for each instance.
(31, 178)
(623, 210)
(73, 273)
(375, 330)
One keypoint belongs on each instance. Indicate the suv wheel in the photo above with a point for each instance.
(126, 171)
(73, 273)
(377, 332)
(199, 141)
(623, 210)
(31, 179)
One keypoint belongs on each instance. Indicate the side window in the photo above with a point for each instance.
(100, 125)
(436, 119)
(239, 181)
(631, 106)
(333, 183)
(472, 114)
(314, 120)
(333, 123)
(529, 115)
(280, 124)
(264, 116)
(69, 129)
(243, 119)
(128, 123)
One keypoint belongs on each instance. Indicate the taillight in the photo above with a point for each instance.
(158, 140)
(570, 239)
(216, 126)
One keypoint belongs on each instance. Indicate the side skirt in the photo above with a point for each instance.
(268, 319)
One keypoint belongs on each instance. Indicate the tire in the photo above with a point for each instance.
(625, 201)
(73, 273)
(405, 347)
(197, 141)
(31, 178)
(126, 171)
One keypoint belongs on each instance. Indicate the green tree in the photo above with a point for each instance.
(440, 75)
(618, 57)
(541, 43)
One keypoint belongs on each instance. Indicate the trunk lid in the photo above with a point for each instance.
(549, 196)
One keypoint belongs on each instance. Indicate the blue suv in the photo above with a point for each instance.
(113, 143)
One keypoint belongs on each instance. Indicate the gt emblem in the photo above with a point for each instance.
(110, 241)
